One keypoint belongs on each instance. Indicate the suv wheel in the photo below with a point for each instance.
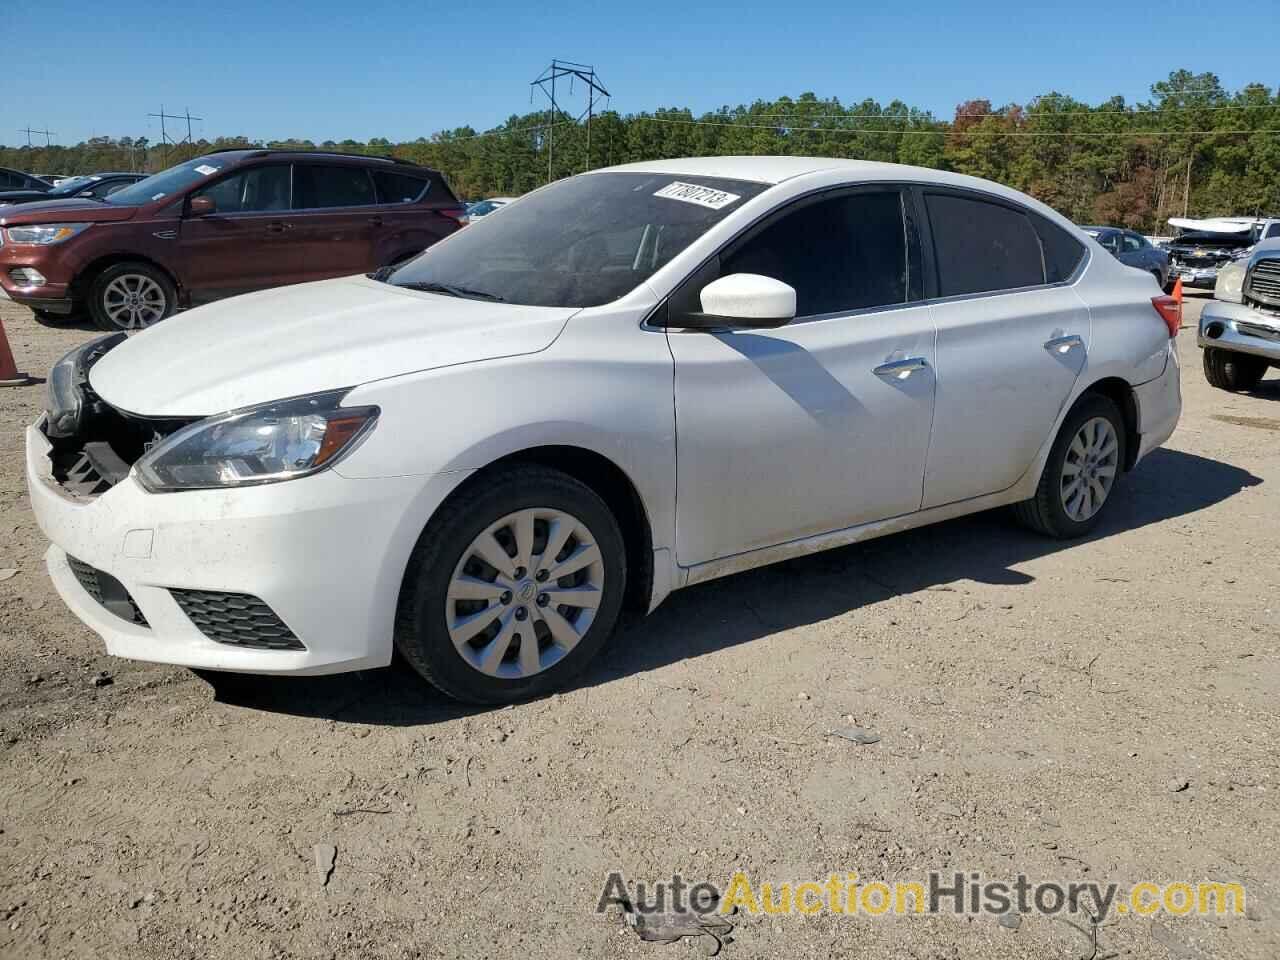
(1228, 370)
(1081, 472)
(513, 588)
(131, 296)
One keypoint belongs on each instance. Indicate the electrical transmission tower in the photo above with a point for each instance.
(167, 141)
(48, 135)
(546, 82)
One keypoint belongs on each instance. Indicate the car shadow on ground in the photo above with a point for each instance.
(986, 547)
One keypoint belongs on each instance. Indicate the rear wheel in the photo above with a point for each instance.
(131, 296)
(1081, 472)
(513, 587)
(1228, 370)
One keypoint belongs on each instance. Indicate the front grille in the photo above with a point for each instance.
(1264, 281)
(107, 590)
(236, 618)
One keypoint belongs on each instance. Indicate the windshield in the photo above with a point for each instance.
(167, 182)
(580, 242)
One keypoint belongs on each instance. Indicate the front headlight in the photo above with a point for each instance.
(45, 234)
(1230, 283)
(264, 444)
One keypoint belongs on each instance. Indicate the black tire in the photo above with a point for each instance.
(1045, 512)
(421, 632)
(102, 296)
(1228, 370)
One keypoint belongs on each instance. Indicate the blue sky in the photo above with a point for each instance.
(331, 69)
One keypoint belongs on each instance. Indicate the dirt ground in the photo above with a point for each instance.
(1101, 710)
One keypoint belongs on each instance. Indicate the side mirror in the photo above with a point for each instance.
(201, 206)
(743, 300)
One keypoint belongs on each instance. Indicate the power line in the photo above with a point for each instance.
(48, 135)
(956, 133)
(561, 69)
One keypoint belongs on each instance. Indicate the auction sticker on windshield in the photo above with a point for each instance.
(206, 169)
(702, 196)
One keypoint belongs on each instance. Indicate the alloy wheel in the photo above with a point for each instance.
(133, 301)
(524, 593)
(1089, 471)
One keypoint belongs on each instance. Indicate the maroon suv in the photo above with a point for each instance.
(221, 224)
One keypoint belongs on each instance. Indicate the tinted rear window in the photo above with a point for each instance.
(980, 247)
(336, 186)
(398, 188)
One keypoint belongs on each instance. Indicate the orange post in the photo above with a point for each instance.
(9, 375)
(1177, 298)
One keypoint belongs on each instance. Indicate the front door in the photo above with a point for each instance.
(1012, 340)
(244, 244)
(821, 424)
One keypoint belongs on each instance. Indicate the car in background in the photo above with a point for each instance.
(1202, 247)
(482, 208)
(224, 223)
(17, 180)
(1133, 249)
(94, 186)
(473, 458)
(1239, 328)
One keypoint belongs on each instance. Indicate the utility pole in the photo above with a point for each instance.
(546, 82)
(48, 135)
(165, 140)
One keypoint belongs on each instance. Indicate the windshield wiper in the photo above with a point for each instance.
(452, 289)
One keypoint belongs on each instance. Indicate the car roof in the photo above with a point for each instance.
(239, 155)
(774, 170)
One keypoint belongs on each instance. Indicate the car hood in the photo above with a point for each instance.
(71, 210)
(304, 339)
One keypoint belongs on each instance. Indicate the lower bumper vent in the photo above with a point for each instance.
(108, 591)
(236, 618)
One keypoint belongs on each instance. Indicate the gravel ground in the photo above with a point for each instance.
(1040, 706)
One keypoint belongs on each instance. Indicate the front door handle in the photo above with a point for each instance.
(278, 226)
(1063, 344)
(901, 369)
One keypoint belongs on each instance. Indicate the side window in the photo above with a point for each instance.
(106, 187)
(258, 189)
(848, 253)
(7, 181)
(1129, 243)
(980, 247)
(398, 188)
(336, 186)
(1273, 230)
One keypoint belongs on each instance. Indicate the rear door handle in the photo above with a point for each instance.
(278, 226)
(901, 369)
(1063, 344)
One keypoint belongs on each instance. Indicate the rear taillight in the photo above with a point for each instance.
(1170, 311)
(456, 214)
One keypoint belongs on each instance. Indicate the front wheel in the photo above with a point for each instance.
(131, 296)
(1081, 472)
(1228, 370)
(513, 587)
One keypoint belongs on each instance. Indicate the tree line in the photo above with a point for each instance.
(1194, 148)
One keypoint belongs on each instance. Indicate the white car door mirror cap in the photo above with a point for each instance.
(746, 300)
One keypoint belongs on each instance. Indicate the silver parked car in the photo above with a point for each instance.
(1240, 327)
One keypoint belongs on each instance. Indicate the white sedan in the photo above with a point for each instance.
(636, 379)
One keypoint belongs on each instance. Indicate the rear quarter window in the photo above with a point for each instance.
(1062, 251)
(317, 187)
(982, 247)
(399, 187)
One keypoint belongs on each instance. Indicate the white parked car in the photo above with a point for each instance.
(634, 380)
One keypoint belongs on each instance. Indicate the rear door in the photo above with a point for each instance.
(1012, 339)
(408, 201)
(244, 244)
(335, 220)
(823, 423)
